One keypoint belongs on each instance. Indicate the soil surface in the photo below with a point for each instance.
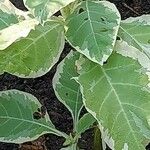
(42, 89)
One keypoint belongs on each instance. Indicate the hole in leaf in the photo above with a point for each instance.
(118, 38)
(37, 115)
(85, 18)
(38, 110)
(41, 112)
(103, 19)
(81, 10)
(66, 94)
(104, 30)
(105, 63)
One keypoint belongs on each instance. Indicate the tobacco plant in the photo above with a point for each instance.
(107, 72)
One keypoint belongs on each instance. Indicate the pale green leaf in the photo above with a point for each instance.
(92, 29)
(68, 92)
(84, 123)
(134, 41)
(66, 88)
(34, 55)
(17, 124)
(114, 94)
(43, 9)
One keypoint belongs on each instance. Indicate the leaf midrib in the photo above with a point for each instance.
(50, 130)
(29, 121)
(77, 113)
(88, 12)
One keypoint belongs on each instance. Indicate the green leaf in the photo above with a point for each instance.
(114, 94)
(92, 29)
(68, 92)
(17, 124)
(44, 9)
(34, 55)
(84, 123)
(66, 88)
(135, 39)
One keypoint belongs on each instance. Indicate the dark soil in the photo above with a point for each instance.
(42, 87)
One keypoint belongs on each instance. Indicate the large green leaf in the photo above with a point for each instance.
(135, 39)
(34, 55)
(66, 88)
(43, 9)
(117, 95)
(17, 124)
(68, 91)
(92, 29)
